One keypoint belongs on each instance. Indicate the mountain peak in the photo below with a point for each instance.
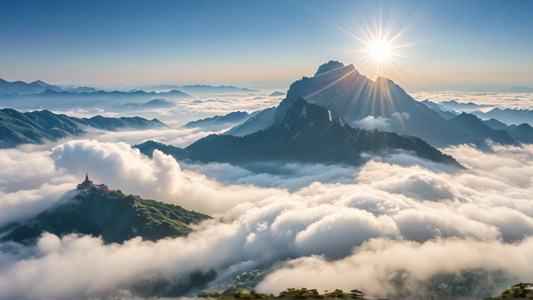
(381, 78)
(302, 110)
(41, 83)
(331, 65)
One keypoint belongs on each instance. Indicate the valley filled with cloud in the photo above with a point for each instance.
(384, 222)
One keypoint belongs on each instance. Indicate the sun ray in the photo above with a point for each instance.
(380, 45)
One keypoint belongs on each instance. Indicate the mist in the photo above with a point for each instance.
(386, 220)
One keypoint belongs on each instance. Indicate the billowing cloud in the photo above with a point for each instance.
(403, 269)
(387, 223)
(267, 174)
(181, 137)
(494, 99)
(122, 167)
(371, 122)
(29, 184)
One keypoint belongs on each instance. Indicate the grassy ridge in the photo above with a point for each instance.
(114, 216)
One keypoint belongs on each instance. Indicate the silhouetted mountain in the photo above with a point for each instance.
(354, 97)
(220, 122)
(308, 133)
(262, 120)
(156, 103)
(20, 87)
(522, 133)
(519, 89)
(276, 94)
(508, 115)
(446, 114)
(55, 100)
(40, 126)
(364, 103)
(198, 89)
(477, 128)
(148, 148)
(53, 93)
(330, 65)
(80, 89)
(459, 106)
(495, 124)
(110, 214)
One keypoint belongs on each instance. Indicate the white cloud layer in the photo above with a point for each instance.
(386, 220)
(494, 99)
(371, 123)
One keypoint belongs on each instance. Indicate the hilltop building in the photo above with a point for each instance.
(87, 184)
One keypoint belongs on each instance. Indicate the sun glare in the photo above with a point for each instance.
(380, 46)
(379, 50)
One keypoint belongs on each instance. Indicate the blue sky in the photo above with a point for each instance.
(455, 45)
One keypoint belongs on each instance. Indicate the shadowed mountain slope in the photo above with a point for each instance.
(308, 133)
(39, 126)
(352, 96)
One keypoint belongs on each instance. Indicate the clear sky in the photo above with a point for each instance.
(452, 45)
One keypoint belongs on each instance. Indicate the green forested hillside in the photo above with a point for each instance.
(114, 216)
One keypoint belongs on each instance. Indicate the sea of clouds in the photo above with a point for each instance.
(493, 99)
(385, 228)
(389, 227)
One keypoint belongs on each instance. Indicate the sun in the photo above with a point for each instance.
(380, 46)
(380, 50)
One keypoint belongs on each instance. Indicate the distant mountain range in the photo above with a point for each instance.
(220, 122)
(38, 87)
(53, 93)
(20, 87)
(460, 106)
(42, 89)
(80, 89)
(476, 127)
(360, 101)
(199, 90)
(519, 89)
(522, 132)
(39, 126)
(443, 112)
(507, 115)
(110, 214)
(496, 119)
(308, 133)
(156, 103)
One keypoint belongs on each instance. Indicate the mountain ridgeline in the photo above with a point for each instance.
(40, 126)
(116, 217)
(352, 96)
(490, 124)
(219, 122)
(40, 88)
(20, 87)
(308, 133)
